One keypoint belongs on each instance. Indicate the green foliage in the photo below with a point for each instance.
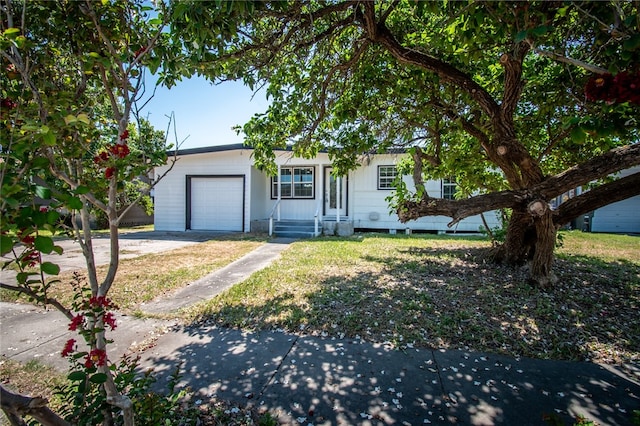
(84, 402)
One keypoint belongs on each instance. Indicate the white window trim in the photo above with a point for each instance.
(451, 183)
(388, 183)
(274, 184)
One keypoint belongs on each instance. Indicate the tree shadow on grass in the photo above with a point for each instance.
(334, 358)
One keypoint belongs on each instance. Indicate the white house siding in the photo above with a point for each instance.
(371, 210)
(366, 206)
(170, 193)
(621, 217)
(298, 209)
(258, 194)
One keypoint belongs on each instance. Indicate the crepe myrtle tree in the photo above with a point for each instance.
(519, 101)
(73, 77)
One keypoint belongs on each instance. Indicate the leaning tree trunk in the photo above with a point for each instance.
(16, 406)
(541, 272)
(519, 239)
(531, 239)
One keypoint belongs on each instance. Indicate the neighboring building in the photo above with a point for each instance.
(218, 188)
(622, 217)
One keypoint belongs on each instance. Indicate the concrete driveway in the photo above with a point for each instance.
(132, 244)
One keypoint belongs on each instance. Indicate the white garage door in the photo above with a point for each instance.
(216, 203)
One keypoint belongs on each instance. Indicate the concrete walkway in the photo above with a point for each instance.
(313, 380)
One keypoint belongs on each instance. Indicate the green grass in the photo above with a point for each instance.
(147, 277)
(443, 292)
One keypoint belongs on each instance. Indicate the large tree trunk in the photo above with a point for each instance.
(541, 272)
(519, 240)
(531, 239)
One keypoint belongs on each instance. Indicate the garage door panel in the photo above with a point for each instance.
(217, 203)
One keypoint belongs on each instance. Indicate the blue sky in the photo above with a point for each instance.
(204, 113)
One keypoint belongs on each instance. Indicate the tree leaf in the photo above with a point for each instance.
(6, 244)
(74, 203)
(43, 244)
(578, 135)
(83, 118)
(76, 376)
(43, 192)
(81, 190)
(50, 268)
(98, 378)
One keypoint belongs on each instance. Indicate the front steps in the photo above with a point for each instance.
(296, 228)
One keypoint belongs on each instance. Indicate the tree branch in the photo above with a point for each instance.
(611, 162)
(560, 58)
(618, 190)
(17, 405)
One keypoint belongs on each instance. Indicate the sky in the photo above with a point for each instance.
(204, 113)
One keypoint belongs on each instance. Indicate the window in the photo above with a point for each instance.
(449, 188)
(296, 182)
(386, 176)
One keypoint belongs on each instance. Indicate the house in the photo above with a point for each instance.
(218, 188)
(621, 217)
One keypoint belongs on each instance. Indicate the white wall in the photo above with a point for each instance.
(368, 201)
(621, 217)
(170, 192)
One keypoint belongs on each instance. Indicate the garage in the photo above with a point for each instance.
(215, 203)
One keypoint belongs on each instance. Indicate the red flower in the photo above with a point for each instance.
(110, 320)
(95, 357)
(69, 347)
(8, 103)
(100, 301)
(28, 240)
(600, 88)
(624, 87)
(44, 209)
(109, 172)
(124, 135)
(627, 87)
(31, 258)
(103, 156)
(75, 322)
(120, 150)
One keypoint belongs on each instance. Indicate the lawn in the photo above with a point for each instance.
(439, 291)
(146, 277)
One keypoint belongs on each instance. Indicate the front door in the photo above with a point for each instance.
(331, 193)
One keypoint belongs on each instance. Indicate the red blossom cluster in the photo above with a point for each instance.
(31, 258)
(623, 87)
(101, 302)
(76, 322)
(110, 320)
(119, 150)
(28, 240)
(69, 348)
(95, 357)
(8, 103)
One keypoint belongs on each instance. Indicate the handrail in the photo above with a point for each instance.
(273, 210)
(315, 225)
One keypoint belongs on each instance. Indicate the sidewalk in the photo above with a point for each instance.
(312, 380)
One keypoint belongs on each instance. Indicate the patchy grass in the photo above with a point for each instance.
(441, 292)
(146, 277)
(37, 379)
(32, 378)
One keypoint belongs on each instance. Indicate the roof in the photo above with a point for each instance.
(236, 146)
(207, 149)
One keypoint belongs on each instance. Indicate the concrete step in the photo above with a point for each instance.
(295, 228)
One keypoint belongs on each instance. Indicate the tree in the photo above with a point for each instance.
(74, 74)
(513, 99)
